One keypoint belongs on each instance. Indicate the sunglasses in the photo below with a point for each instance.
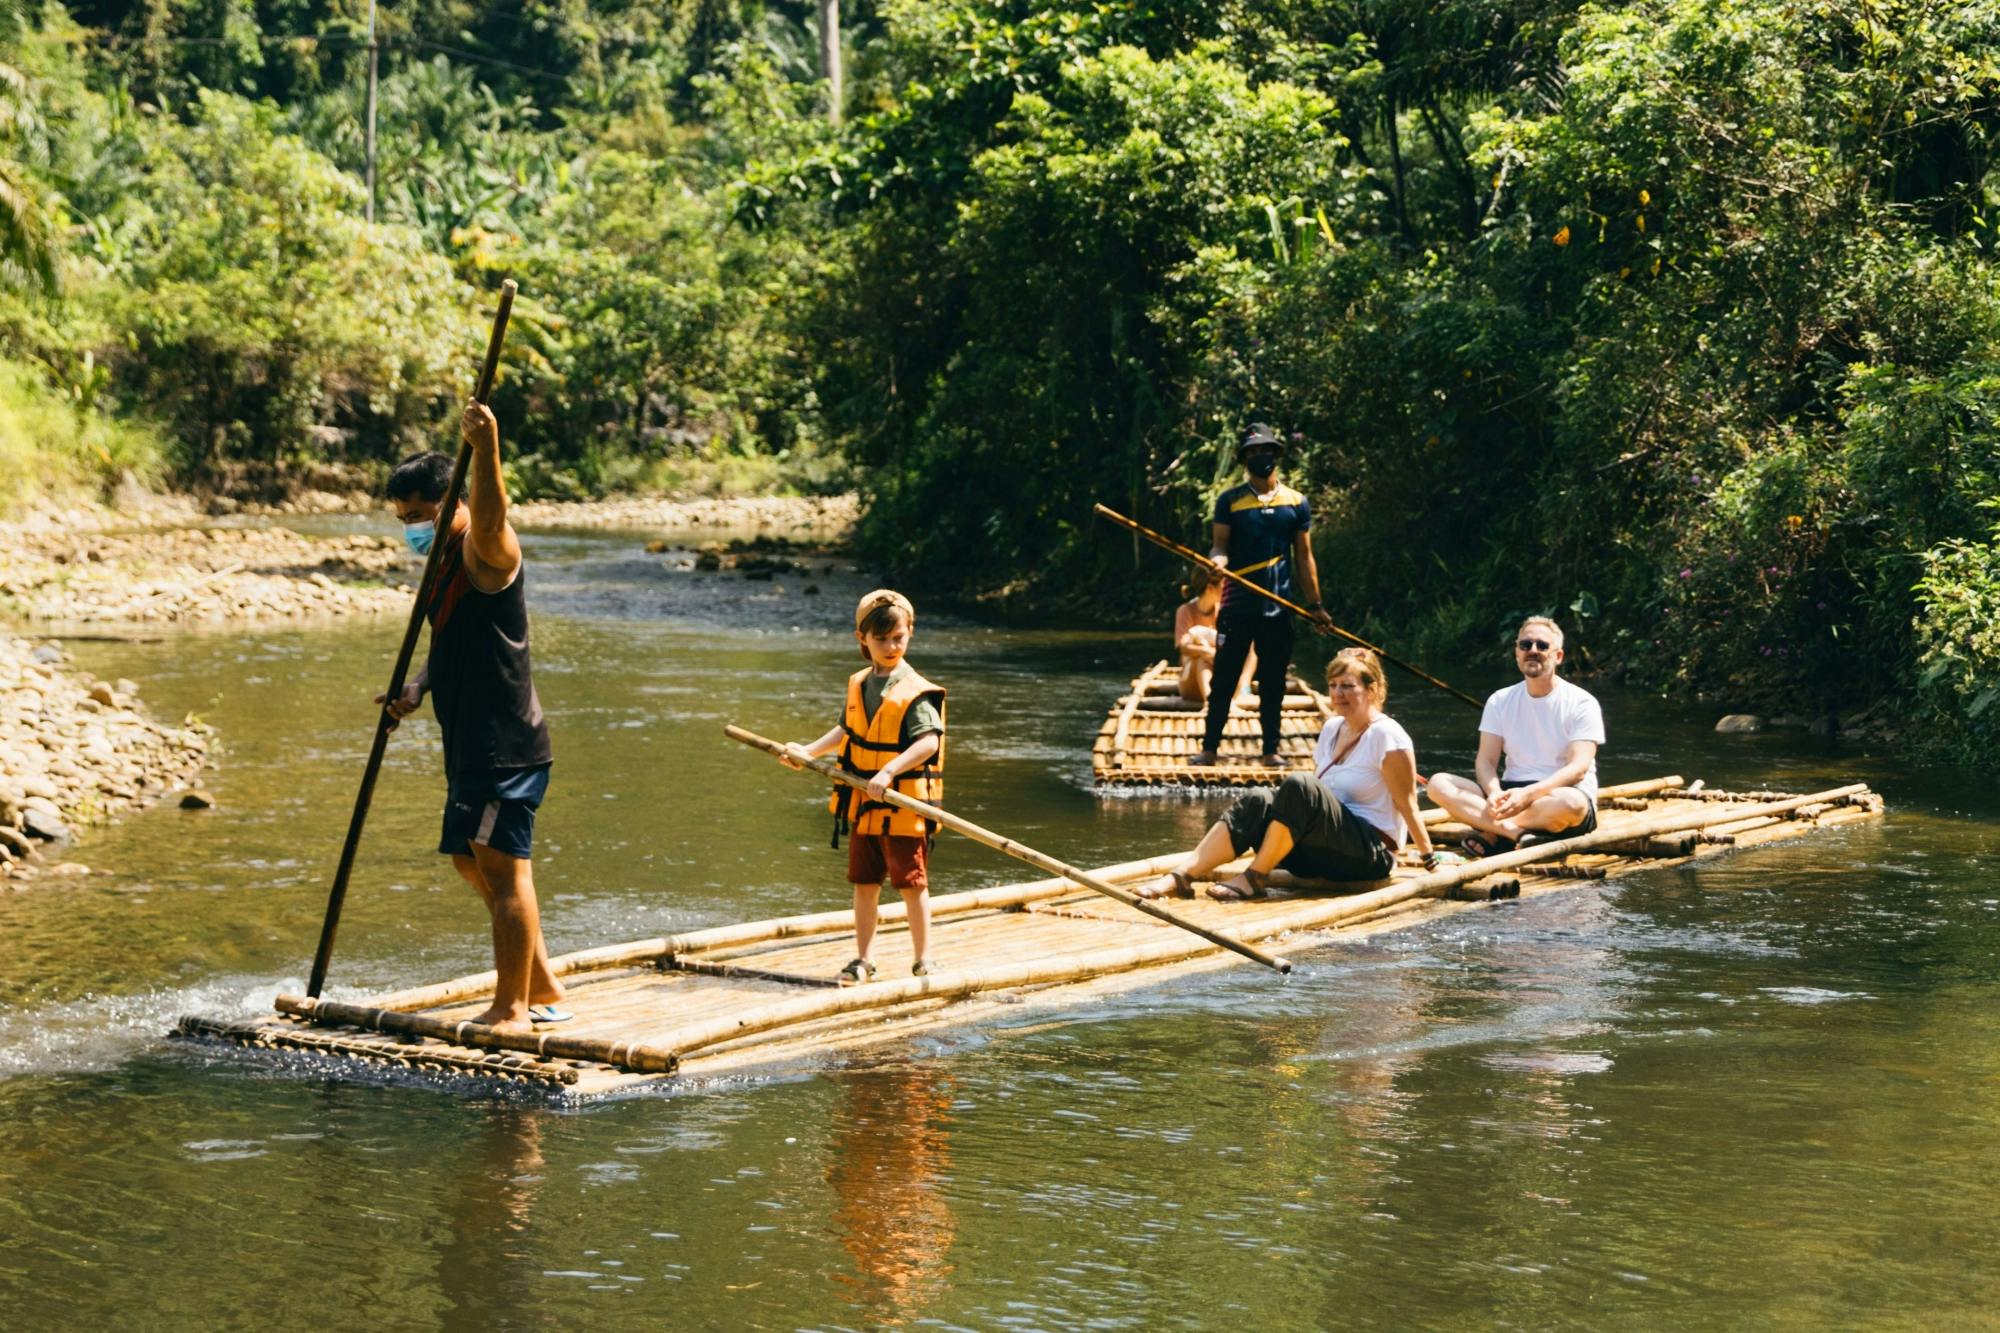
(1534, 645)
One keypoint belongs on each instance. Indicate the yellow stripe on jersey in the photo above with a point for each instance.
(1280, 495)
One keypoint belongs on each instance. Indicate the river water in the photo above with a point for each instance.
(1756, 1093)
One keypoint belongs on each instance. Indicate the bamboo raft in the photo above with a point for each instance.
(758, 995)
(1152, 732)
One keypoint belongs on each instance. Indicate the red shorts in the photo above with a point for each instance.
(874, 857)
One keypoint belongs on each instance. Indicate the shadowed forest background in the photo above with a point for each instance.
(1677, 318)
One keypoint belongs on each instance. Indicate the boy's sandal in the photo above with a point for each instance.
(548, 1013)
(1256, 887)
(921, 968)
(856, 972)
(1480, 844)
(1438, 859)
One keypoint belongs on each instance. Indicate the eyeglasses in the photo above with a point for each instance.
(1534, 645)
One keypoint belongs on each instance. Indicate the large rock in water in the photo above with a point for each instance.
(1740, 723)
(37, 819)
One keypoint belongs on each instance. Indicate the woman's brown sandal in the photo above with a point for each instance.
(1174, 884)
(1256, 885)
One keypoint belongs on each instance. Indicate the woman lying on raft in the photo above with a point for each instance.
(1345, 824)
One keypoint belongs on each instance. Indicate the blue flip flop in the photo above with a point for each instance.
(548, 1013)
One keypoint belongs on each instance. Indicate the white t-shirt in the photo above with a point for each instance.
(1535, 732)
(1356, 781)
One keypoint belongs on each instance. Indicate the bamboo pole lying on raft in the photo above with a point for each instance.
(641, 953)
(643, 1059)
(944, 818)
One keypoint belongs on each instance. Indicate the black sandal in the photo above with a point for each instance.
(1482, 844)
(1258, 885)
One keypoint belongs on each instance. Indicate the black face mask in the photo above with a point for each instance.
(1261, 465)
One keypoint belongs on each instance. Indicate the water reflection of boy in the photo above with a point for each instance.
(891, 1150)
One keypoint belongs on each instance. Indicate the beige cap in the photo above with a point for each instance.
(882, 597)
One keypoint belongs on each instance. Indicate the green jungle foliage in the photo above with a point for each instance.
(1676, 318)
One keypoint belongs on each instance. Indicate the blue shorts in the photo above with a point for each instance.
(494, 808)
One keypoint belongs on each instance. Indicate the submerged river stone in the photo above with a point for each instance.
(1740, 723)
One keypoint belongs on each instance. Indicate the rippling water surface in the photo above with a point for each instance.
(1758, 1092)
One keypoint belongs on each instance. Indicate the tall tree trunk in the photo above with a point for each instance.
(829, 56)
(1396, 162)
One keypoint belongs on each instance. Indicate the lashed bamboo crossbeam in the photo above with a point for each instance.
(643, 953)
(1000, 843)
(1187, 553)
(639, 1056)
(497, 1064)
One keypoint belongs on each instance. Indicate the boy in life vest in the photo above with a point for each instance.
(891, 732)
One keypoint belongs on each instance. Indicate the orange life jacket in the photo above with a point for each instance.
(872, 742)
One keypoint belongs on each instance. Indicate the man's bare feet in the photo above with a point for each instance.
(506, 1019)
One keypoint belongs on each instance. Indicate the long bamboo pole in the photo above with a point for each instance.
(827, 768)
(1188, 553)
(385, 722)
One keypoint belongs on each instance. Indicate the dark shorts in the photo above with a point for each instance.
(1329, 841)
(874, 857)
(494, 808)
(1587, 825)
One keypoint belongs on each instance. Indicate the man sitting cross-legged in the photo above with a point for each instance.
(1548, 730)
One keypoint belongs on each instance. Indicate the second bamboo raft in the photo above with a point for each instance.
(1152, 733)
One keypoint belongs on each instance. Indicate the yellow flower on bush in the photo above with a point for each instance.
(1794, 522)
(1561, 237)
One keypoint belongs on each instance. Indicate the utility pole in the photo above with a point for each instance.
(829, 56)
(373, 51)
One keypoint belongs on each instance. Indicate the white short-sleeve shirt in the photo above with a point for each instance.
(1356, 781)
(1535, 732)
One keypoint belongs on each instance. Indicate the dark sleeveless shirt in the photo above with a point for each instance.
(480, 681)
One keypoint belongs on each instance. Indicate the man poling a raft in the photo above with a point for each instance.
(1236, 580)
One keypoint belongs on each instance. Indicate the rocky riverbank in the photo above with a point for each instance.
(74, 751)
(826, 519)
(194, 575)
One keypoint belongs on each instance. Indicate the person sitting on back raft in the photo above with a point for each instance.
(1262, 529)
(891, 732)
(1194, 635)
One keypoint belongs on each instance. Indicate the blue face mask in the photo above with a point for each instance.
(420, 535)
